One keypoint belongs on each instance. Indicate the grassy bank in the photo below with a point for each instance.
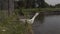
(40, 9)
(32, 10)
(12, 25)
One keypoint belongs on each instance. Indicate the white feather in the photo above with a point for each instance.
(30, 21)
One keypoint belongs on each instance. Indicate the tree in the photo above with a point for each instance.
(32, 3)
(4, 4)
(57, 5)
(10, 6)
(42, 3)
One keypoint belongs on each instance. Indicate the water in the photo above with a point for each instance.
(50, 24)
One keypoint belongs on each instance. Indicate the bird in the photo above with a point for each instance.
(30, 21)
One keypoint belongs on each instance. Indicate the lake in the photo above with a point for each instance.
(47, 24)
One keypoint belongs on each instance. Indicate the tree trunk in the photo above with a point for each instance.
(10, 6)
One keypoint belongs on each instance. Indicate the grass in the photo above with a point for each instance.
(12, 25)
(30, 10)
(40, 9)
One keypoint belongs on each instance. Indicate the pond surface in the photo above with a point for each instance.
(49, 25)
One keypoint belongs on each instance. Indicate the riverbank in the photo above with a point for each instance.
(12, 25)
(40, 9)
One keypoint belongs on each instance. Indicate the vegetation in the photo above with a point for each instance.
(40, 9)
(12, 25)
(57, 6)
(9, 19)
(31, 4)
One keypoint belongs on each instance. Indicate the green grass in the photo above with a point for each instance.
(12, 25)
(28, 11)
(40, 9)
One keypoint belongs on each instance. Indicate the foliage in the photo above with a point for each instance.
(57, 5)
(40, 9)
(12, 25)
(31, 4)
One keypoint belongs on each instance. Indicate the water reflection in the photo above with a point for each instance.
(40, 18)
(47, 24)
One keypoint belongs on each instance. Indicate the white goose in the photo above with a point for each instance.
(30, 21)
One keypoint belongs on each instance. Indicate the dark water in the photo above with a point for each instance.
(47, 24)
